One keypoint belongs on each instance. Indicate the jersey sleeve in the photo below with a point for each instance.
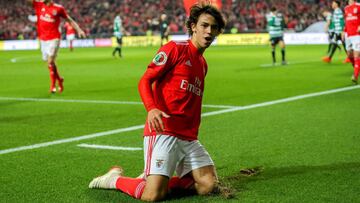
(63, 13)
(36, 5)
(164, 60)
(283, 25)
(270, 20)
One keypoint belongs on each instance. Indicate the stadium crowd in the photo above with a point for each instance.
(141, 17)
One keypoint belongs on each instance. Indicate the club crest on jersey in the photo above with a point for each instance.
(355, 10)
(54, 12)
(160, 58)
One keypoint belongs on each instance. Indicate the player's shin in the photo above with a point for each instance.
(52, 78)
(53, 66)
(185, 182)
(329, 48)
(333, 49)
(71, 45)
(131, 186)
(273, 54)
(356, 67)
(283, 54)
(351, 58)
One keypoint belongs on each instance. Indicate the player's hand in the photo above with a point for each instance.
(81, 34)
(343, 36)
(155, 120)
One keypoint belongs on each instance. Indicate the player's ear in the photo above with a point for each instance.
(193, 27)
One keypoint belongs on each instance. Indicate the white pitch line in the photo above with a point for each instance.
(281, 101)
(94, 146)
(97, 102)
(74, 139)
(137, 127)
(18, 59)
(69, 100)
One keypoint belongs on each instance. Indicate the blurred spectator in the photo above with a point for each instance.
(142, 16)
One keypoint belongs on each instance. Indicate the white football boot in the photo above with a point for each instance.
(108, 180)
(354, 80)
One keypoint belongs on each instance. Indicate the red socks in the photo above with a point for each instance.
(352, 60)
(71, 45)
(356, 67)
(53, 74)
(135, 186)
(131, 186)
(181, 183)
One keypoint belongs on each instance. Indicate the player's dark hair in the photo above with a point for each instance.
(337, 2)
(195, 12)
(273, 9)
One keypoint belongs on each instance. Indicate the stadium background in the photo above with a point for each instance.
(299, 122)
(139, 17)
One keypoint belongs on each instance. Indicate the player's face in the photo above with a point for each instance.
(204, 31)
(334, 5)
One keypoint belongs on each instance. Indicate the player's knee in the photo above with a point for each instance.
(51, 62)
(206, 185)
(154, 196)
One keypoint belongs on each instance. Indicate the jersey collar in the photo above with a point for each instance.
(193, 49)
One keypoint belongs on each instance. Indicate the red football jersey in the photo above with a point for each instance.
(352, 19)
(48, 19)
(178, 71)
(69, 29)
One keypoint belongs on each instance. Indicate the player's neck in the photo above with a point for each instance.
(200, 49)
(47, 2)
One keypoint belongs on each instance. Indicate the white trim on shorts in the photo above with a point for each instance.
(165, 154)
(49, 48)
(353, 43)
(70, 37)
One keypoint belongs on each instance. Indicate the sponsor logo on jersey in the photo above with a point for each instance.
(47, 18)
(54, 12)
(188, 63)
(160, 58)
(350, 17)
(193, 88)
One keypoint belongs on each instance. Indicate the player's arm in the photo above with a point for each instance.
(154, 117)
(79, 31)
(344, 32)
(31, 1)
(270, 21)
(327, 25)
(167, 31)
(154, 72)
(283, 24)
(358, 15)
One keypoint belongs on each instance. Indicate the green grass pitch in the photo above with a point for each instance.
(309, 148)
